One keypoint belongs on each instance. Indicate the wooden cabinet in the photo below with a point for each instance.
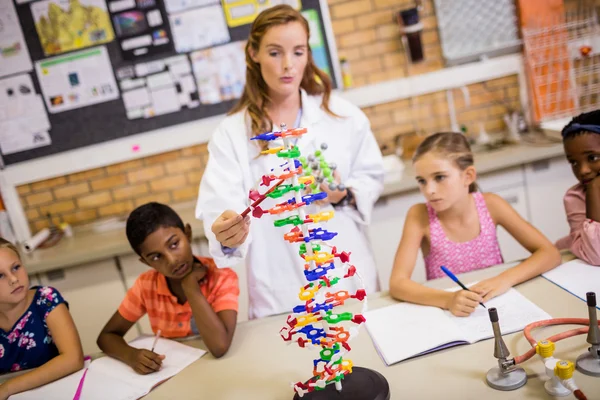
(94, 292)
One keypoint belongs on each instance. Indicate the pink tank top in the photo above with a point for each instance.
(481, 252)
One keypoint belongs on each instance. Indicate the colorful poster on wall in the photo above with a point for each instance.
(317, 41)
(77, 80)
(14, 57)
(158, 87)
(175, 6)
(24, 123)
(199, 28)
(66, 25)
(140, 26)
(242, 12)
(220, 72)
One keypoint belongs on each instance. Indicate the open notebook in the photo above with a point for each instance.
(108, 378)
(577, 278)
(404, 330)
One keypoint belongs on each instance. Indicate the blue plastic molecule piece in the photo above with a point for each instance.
(312, 333)
(265, 136)
(320, 234)
(318, 272)
(310, 198)
(300, 309)
(322, 306)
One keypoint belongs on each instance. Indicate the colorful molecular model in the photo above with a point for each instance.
(315, 323)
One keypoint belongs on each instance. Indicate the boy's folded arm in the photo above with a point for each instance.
(215, 328)
(69, 360)
(585, 242)
(111, 339)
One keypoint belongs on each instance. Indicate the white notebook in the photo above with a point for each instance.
(577, 278)
(404, 330)
(108, 378)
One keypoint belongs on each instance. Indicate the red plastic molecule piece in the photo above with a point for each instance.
(351, 271)
(254, 195)
(266, 180)
(359, 319)
(258, 212)
(360, 294)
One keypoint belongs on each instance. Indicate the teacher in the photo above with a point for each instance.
(283, 85)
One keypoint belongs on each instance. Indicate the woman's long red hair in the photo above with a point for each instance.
(255, 98)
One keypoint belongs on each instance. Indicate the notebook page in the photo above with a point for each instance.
(58, 390)
(515, 311)
(577, 278)
(178, 356)
(404, 330)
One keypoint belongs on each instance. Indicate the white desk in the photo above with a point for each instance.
(261, 366)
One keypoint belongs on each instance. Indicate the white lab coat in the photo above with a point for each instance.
(274, 268)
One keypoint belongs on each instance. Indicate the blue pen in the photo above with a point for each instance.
(455, 279)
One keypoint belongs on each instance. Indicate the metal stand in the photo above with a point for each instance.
(589, 363)
(505, 376)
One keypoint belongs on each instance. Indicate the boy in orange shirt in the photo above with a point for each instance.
(182, 294)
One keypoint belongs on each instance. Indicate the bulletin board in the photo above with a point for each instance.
(122, 67)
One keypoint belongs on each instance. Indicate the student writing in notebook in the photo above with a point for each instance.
(581, 139)
(36, 329)
(182, 294)
(456, 228)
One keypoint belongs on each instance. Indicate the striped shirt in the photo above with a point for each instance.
(150, 294)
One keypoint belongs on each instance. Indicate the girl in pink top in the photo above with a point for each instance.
(456, 228)
(581, 139)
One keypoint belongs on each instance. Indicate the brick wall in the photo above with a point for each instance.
(367, 36)
(115, 190)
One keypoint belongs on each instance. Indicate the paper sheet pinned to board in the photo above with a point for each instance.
(24, 123)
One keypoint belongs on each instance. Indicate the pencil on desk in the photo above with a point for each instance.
(155, 339)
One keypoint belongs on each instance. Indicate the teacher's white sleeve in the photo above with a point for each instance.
(366, 171)
(222, 188)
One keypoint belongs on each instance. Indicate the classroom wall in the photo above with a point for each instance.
(367, 36)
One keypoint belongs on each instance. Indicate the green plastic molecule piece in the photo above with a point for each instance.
(280, 191)
(323, 164)
(326, 172)
(294, 152)
(331, 282)
(318, 153)
(336, 318)
(302, 161)
(291, 220)
(326, 354)
(315, 247)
